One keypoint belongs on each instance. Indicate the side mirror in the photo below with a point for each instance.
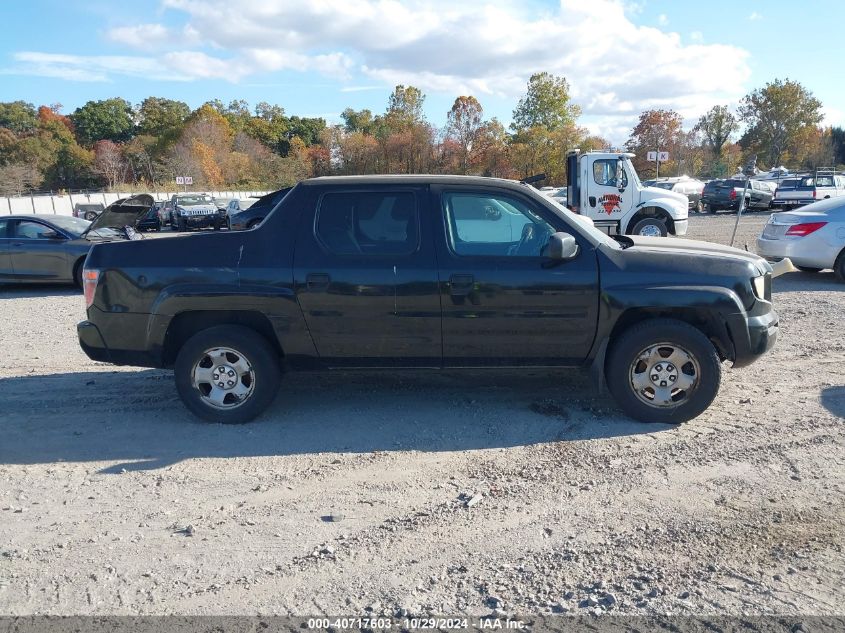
(562, 247)
(620, 175)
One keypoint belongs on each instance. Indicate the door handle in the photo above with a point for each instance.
(461, 284)
(317, 281)
(592, 201)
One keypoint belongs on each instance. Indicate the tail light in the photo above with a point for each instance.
(733, 194)
(800, 230)
(814, 194)
(90, 276)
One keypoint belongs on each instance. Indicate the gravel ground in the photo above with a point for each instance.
(354, 493)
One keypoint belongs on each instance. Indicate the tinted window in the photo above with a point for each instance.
(369, 223)
(31, 230)
(604, 173)
(482, 224)
(3, 225)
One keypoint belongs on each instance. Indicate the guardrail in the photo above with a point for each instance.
(63, 204)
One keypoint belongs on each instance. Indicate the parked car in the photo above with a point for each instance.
(87, 211)
(801, 190)
(427, 272)
(52, 248)
(196, 211)
(719, 195)
(558, 194)
(690, 187)
(257, 211)
(151, 221)
(167, 213)
(812, 237)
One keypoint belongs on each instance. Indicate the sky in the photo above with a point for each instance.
(318, 57)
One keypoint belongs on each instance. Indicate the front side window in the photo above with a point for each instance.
(32, 230)
(604, 173)
(3, 225)
(368, 223)
(494, 225)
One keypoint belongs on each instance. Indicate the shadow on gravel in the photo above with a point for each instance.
(19, 291)
(833, 399)
(136, 419)
(807, 282)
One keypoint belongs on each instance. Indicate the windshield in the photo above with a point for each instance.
(70, 225)
(193, 201)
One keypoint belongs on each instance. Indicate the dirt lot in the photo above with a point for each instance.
(350, 495)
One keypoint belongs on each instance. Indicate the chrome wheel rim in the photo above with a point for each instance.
(664, 375)
(224, 378)
(650, 231)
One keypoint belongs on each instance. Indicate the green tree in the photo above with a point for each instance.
(357, 120)
(18, 116)
(776, 116)
(464, 126)
(404, 109)
(716, 128)
(546, 104)
(110, 119)
(162, 118)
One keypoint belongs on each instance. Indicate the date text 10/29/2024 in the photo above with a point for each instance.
(385, 624)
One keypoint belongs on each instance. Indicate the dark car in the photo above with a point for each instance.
(253, 216)
(197, 211)
(151, 221)
(87, 211)
(42, 248)
(427, 272)
(725, 194)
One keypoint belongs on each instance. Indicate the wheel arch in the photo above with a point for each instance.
(651, 211)
(186, 324)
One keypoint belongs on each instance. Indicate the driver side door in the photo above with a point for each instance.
(604, 200)
(503, 302)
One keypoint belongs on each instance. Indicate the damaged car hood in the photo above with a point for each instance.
(123, 213)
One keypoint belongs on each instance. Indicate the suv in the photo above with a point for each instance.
(726, 194)
(427, 272)
(690, 187)
(197, 211)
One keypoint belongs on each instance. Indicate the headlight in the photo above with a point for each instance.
(759, 284)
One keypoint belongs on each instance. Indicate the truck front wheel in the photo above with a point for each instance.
(650, 227)
(227, 374)
(663, 370)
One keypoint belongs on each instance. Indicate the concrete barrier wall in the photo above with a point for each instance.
(63, 205)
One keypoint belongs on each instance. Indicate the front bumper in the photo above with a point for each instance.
(203, 221)
(752, 336)
(681, 227)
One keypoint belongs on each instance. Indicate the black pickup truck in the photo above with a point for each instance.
(436, 272)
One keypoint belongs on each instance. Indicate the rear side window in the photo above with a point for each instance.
(3, 225)
(368, 223)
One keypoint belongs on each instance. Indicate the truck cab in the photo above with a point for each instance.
(604, 187)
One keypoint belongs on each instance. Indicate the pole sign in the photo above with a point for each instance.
(662, 157)
(189, 180)
(180, 180)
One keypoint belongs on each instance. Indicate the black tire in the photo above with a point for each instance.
(249, 345)
(710, 209)
(657, 223)
(77, 272)
(839, 267)
(90, 216)
(808, 269)
(699, 207)
(625, 354)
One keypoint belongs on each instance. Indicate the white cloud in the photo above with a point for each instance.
(89, 67)
(615, 67)
(662, 19)
(755, 16)
(696, 36)
(833, 116)
(140, 35)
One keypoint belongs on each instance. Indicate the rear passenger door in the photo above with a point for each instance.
(366, 277)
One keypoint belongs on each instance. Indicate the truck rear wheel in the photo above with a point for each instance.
(650, 227)
(227, 374)
(663, 370)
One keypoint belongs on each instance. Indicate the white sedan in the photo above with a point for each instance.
(813, 237)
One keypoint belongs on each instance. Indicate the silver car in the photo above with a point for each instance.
(812, 237)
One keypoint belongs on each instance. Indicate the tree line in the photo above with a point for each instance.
(115, 145)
